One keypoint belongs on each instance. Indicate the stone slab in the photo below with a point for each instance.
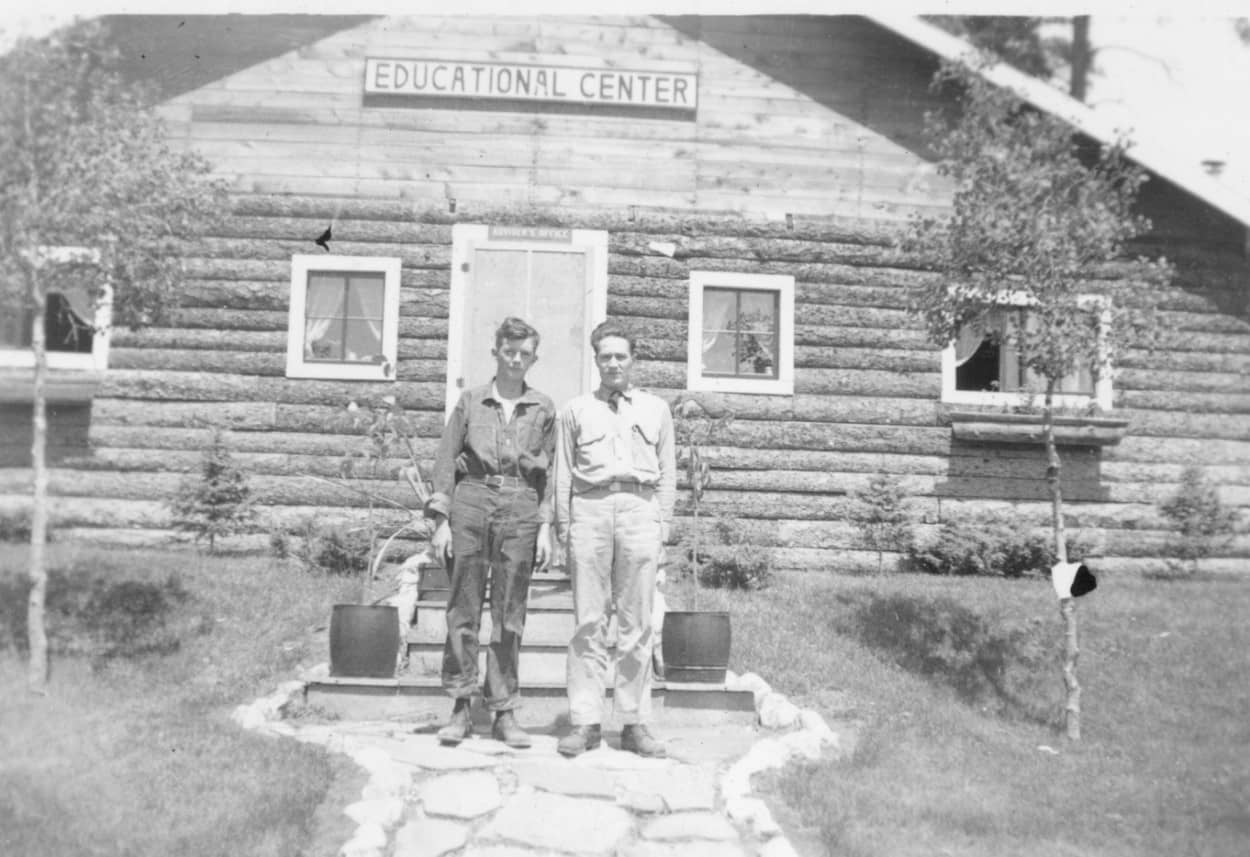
(690, 825)
(429, 837)
(679, 787)
(696, 848)
(540, 820)
(464, 795)
(562, 777)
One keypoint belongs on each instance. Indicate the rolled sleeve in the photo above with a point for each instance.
(449, 447)
(562, 471)
(666, 453)
(546, 503)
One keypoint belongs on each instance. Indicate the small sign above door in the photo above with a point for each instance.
(530, 233)
(532, 82)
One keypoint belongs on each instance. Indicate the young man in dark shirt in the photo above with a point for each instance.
(492, 509)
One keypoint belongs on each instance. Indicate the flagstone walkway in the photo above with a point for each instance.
(482, 799)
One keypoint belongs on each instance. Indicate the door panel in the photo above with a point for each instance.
(558, 287)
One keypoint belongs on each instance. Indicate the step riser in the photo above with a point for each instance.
(540, 627)
(541, 711)
(539, 666)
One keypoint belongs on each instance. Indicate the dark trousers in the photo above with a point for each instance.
(493, 534)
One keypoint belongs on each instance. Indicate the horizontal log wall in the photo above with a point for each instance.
(865, 401)
(866, 381)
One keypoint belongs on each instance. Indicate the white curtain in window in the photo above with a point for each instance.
(323, 304)
(970, 338)
(369, 294)
(718, 306)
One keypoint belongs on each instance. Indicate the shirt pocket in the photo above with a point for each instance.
(643, 451)
(483, 443)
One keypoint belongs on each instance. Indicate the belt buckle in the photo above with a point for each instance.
(494, 481)
(614, 485)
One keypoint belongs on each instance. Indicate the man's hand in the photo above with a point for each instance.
(440, 542)
(542, 550)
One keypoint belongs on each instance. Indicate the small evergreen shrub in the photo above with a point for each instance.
(730, 560)
(1201, 520)
(881, 514)
(342, 551)
(993, 546)
(218, 502)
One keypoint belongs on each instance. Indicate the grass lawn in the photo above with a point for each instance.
(135, 754)
(958, 679)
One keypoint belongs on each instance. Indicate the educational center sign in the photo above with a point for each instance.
(532, 82)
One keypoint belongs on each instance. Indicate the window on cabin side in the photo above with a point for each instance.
(741, 333)
(983, 366)
(343, 318)
(74, 325)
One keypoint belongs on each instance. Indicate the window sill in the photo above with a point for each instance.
(17, 384)
(989, 427)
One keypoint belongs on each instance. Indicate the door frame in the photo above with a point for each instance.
(468, 237)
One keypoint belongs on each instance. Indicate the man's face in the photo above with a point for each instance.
(513, 358)
(615, 362)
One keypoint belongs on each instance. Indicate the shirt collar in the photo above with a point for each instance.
(527, 393)
(603, 394)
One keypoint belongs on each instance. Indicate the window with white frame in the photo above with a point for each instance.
(984, 367)
(344, 318)
(741, 333)
(76, 318)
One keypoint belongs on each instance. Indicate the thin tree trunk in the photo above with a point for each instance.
(1082, 58)
(36, 632)
(1067, 606)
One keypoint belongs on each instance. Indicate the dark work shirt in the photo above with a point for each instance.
(478, 442)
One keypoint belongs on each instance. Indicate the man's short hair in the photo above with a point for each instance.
(515, 328)
(611, 328)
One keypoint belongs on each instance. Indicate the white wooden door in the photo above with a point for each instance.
(555, 279)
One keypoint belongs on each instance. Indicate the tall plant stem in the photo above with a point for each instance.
(1067, 606)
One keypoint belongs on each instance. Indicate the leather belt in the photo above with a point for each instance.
(498, 481)
(618, 485)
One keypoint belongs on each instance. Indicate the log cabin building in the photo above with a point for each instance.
(731, 186)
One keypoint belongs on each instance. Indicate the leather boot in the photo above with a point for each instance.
(581, 739)
(636, 739)
(507, 730)
(460, 726)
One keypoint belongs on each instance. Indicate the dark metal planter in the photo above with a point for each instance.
(364, 640)
(695, 645)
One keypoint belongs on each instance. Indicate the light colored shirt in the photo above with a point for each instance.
(596, 446)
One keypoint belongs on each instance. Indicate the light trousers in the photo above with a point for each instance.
(613, 554)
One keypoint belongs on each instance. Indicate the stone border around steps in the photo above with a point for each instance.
(801, 733)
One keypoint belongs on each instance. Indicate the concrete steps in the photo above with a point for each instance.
(416, 695)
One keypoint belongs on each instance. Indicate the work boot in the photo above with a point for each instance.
(460, 726)
(507, 730)
(581, 739)
(636, 739)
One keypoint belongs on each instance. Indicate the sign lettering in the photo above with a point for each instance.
(456, 79)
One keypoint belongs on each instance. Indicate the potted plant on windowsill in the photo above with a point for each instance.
(695, 644)
(366, 636)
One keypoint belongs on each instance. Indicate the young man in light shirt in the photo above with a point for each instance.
(615, 484)
(492, 506)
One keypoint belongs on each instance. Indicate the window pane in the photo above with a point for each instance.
(15, 330)
(362, 341)
(980, 371)
(365, 294)
(740, 332)
(343, 317)
(757, 311)
(757, 354)
(66, 330)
